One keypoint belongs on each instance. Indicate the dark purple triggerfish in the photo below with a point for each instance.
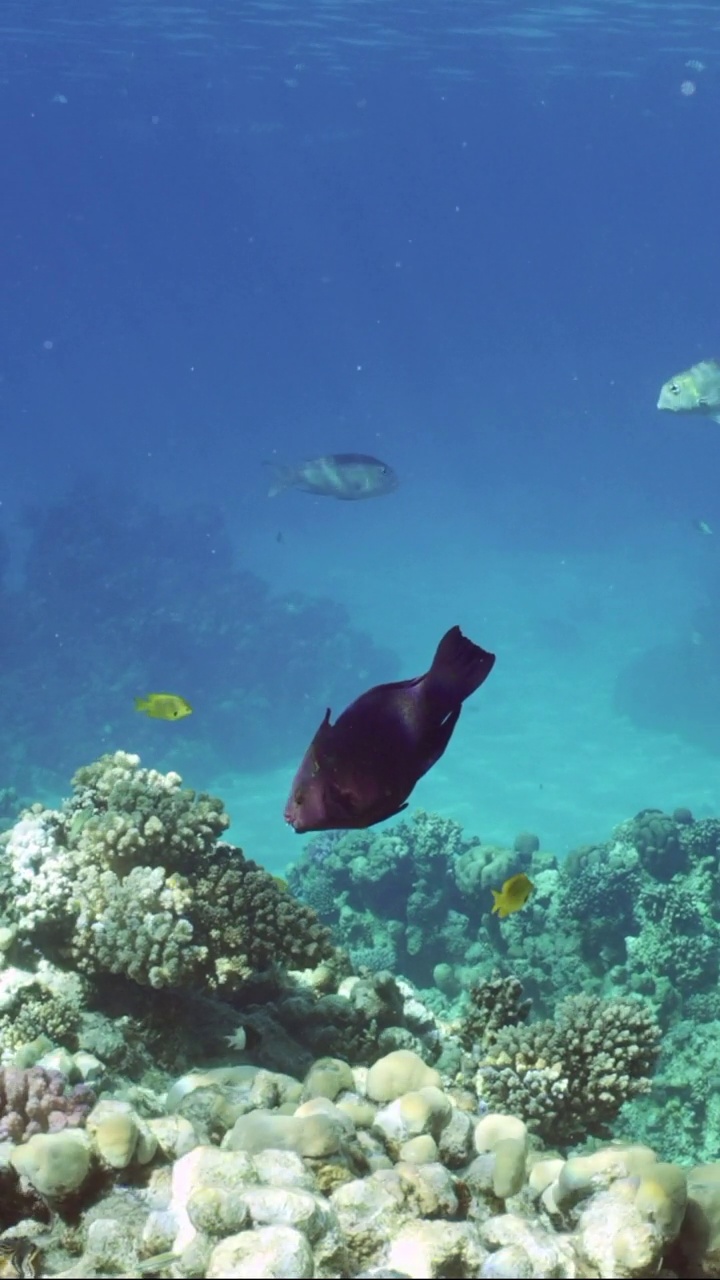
(362, 769)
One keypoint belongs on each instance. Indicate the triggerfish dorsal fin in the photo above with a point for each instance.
(459, 666)
(322, 743)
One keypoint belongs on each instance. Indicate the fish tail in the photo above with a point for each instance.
(141, 704)
(284, 477)
(496, 901)
(459, 666)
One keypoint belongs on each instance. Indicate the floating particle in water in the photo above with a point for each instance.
(694, 64)
(688, 88)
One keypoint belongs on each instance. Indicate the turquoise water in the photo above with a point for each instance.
(541, 746)
(461, 245)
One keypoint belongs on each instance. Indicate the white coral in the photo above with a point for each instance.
(42, 870)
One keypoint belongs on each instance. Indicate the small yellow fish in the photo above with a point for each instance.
(513, 895)
(164, 706)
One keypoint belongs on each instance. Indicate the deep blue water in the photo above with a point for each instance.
(473, 239)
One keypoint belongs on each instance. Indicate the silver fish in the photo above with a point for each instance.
(349, 476)
(695, 391)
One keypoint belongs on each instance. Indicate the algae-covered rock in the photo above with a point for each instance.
(56, 1164)
(119, 1136)
(507, 1138)
(315, 1135)
(266, 1251)
(425, 1250)
(401, 1071)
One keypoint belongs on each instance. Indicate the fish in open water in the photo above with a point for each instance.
(348, 476)
(164, 706)
(362, 769)
(695, 391)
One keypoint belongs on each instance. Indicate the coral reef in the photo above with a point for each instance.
(494, 1004)
(341, 1123)
(391, 893)
(343, 1172)
(636, 916)
(569, 1078)
(42, 1001)
(34, 1100)
(129, 878)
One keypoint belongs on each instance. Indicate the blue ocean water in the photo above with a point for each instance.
(473, 240)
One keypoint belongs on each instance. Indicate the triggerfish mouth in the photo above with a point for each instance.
(362, 769)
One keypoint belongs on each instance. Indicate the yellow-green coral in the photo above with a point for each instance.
(45, 1003)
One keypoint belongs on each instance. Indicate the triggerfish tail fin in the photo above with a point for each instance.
(284, 477)
(459, 666)
(141, 704)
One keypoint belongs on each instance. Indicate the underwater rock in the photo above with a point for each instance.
(420, 1150)
(313, 1135)
(397, 1073)
(327, 1078)
(56, 1164)
(506, 1138)
(425, 1250)
(119, 1136)
(266, 1251)
(421, 1111)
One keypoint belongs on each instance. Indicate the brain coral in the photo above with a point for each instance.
(128, 878)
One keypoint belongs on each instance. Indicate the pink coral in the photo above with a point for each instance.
(35, 1100)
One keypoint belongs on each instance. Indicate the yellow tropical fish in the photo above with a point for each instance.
(164, 706)
(513, 895)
